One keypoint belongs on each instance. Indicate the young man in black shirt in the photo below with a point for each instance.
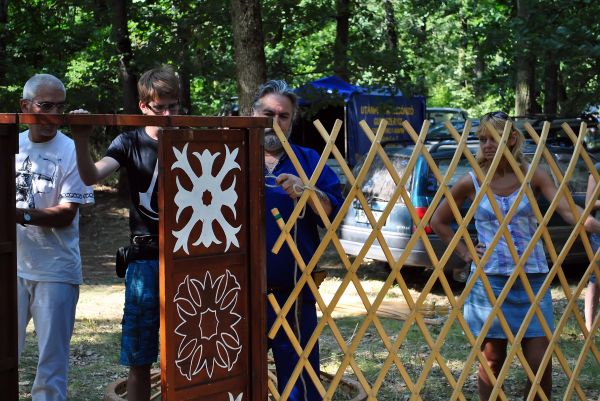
(137, 151)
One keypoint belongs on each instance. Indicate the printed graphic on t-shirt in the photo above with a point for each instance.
(145, 206)
(30, 183)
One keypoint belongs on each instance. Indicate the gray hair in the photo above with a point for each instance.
(38, 80)
(278, 87)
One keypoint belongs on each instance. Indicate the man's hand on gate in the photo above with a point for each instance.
(81, 131)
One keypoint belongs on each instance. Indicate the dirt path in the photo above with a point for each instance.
(104, 228)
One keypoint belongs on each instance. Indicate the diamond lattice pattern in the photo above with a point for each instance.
(413, 358)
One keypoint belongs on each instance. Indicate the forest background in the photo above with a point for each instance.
(522, 56)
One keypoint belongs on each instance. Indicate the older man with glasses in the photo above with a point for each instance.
(49, 194)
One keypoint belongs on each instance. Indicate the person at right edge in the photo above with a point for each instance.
(505, 186)
(137, 151)
(592, 292)
(275, 99)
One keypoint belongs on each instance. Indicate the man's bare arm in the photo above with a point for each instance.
(90, 172)
(56, 216)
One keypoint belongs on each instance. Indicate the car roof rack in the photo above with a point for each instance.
(472, 139)
(404, 142)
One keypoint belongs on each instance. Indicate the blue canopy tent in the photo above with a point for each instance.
(357, 103)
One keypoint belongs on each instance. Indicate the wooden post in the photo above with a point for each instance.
(9, 146)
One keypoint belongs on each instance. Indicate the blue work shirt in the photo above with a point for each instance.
(280, 266)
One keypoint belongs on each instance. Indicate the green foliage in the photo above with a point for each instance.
(458, 53)
(439, 96)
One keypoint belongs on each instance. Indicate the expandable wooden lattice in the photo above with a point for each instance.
(437, 362)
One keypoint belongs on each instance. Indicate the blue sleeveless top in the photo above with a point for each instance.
(521, 227)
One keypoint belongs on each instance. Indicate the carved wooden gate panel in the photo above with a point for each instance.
(212, 265)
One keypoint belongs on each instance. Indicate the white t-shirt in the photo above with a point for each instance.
(46, 175)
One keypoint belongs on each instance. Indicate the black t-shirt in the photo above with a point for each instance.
(138, 153)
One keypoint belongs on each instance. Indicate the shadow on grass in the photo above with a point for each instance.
(94, 360)
(418, 366)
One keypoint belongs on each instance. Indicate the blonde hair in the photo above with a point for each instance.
(498, 120)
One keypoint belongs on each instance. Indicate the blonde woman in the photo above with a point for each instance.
(593, 290)
(505, 186)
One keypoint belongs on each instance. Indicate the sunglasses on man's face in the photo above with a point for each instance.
(47, 107)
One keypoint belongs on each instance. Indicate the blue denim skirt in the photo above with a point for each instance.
(478, 308)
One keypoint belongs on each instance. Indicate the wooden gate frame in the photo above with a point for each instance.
(251, 127)
(9, 370)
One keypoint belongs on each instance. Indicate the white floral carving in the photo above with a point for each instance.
(203, 185)
(238, 398)
(207, 324)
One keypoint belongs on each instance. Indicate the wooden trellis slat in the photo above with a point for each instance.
(345, 261)
(461, 232)
(313, 261)
(371, 316)
(301, 202)
(418, 231)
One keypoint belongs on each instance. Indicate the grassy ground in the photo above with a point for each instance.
(96, 341)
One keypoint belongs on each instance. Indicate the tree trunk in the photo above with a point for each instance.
(390, 23)
(126, 73)
(127, 76)
(248, 43)
(525, 86)
(551, 85)
(423, 68)
(3, 24)
(479, 66)
(185, 35)
(184, 83)
(463, 51)
(525, 67)
(340, 48)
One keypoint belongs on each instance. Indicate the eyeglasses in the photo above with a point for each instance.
(162, 108)
(47, 107)
(499, 115)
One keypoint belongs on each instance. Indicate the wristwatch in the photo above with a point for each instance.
(26, 218)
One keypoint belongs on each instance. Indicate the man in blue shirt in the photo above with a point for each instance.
(283, 187)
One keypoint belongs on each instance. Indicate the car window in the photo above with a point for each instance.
(462, 168)
(579, 179)
(378, 184)
(544, 165)
(443, 116)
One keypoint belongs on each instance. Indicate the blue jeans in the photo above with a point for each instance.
(286, 356)
(141, 315)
